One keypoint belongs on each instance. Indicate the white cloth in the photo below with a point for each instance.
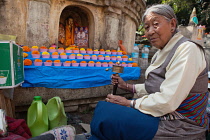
(183, 69)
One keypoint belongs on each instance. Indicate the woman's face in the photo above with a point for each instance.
(158, 29)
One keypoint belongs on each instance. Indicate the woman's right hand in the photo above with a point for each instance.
(118, 80)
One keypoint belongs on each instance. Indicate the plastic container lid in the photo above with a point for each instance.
(37, 98)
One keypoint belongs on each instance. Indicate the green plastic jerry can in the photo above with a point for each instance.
(56, 113)
(37, 117)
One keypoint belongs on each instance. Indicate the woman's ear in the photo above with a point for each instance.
(173, 24)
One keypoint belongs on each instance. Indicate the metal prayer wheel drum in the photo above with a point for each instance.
(117, 69)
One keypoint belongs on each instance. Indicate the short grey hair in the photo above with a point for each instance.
(161, 9)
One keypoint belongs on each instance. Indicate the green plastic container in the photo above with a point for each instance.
(56, 113)
(37, 117)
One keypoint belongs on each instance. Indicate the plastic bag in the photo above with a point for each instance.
(3, 124)
(7, 37)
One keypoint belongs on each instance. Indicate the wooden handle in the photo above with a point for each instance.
(115, 86)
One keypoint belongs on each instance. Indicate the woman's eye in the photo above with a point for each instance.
(146, 27)
(156, 24)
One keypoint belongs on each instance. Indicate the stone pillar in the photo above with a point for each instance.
(128, 29)
(38, 23)
(111, 28)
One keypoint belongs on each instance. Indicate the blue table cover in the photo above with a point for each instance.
(73, 77)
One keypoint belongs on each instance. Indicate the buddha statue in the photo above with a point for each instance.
(69, 32)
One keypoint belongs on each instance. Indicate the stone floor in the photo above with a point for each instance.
(75, 118)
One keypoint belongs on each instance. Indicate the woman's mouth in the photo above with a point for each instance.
(152, 40)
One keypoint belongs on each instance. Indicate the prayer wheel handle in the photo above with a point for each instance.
(115, 86)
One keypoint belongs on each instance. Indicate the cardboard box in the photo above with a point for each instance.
(11, 65)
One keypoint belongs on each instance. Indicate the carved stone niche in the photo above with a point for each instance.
(80, 19)
(76, 13)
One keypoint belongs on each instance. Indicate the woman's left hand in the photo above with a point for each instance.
(118, 100)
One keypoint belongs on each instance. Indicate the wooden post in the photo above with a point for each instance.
(7, 105)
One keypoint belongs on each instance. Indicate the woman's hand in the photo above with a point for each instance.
(118, 100)
(118, 80)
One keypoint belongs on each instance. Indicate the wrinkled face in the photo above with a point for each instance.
(158, 29)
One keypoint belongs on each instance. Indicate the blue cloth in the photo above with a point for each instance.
(73, 77)
(115, 122)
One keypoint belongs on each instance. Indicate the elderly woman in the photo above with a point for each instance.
(175, 89)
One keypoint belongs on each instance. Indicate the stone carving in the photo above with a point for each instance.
(45, 1)
(138, 8)
(134, 4)
(128, 1)
(117, 3)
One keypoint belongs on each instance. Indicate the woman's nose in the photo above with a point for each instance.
(151, 30)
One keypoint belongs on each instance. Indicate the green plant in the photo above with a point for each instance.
(140, 30)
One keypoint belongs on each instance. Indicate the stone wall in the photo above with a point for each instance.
(36, 22)
(13, 17)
